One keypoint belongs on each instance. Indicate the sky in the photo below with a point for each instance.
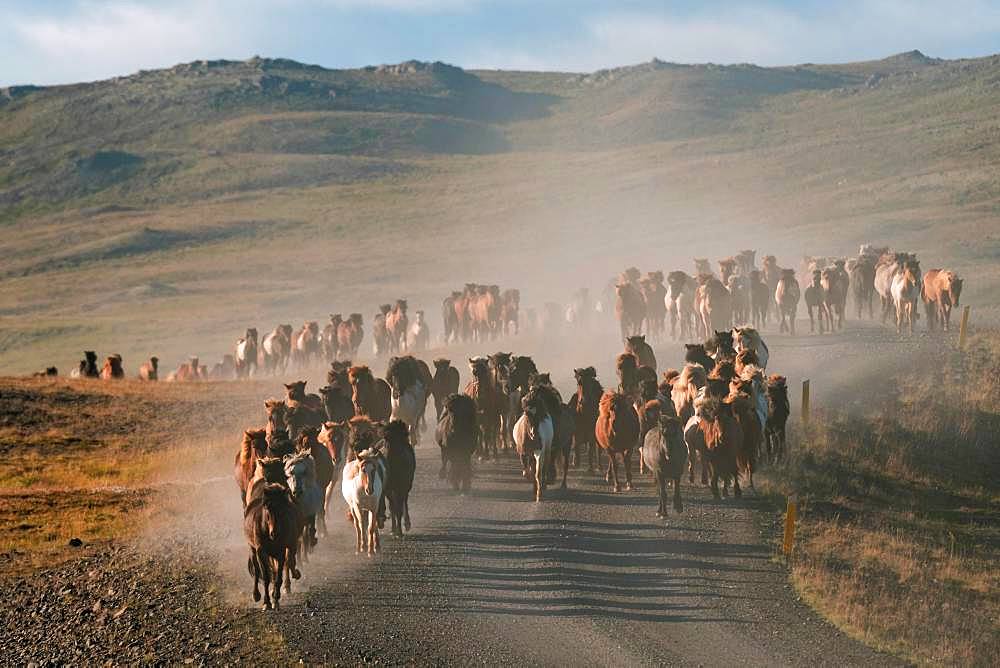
(64, 41)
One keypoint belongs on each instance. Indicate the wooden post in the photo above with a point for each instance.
(791, 513)
(963, 331)
(805, 401)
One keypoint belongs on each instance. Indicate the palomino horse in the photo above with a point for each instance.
(772, 274)
(617, 433)
(942, 290)
(905, 293)
(533, 435)
(680, 303)
(888, 267)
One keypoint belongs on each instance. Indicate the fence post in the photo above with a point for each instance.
(963, 331)
(805, 401)
(791, 513)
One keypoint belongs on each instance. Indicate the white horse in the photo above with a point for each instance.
(362, 488)
(748, 338)
(300, 471)
(533, 434)
(418, 336)
(409, 407)
(679, 301)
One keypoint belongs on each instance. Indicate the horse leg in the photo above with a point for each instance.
(265, 568)
(661, 493)
(279, 568)
(406, 513)
(737, 492)
(613, 470)
(678, 504)
(566, 454)
(540, 474)
(627, 460)
(442, 474)
(254, 569)
(359, 529)
(812, 324)
(715, 486)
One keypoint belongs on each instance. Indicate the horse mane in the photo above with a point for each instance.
(396, 433)
(252, 439)
(626, 361)
(692, 374)
(361, 371)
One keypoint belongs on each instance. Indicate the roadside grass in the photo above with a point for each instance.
(84, 459)
(899, 539)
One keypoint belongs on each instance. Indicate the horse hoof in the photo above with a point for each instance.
(256, 597)
(296, 573)
(659, 514)
(617, 489)
(266, 606)
(628, 488)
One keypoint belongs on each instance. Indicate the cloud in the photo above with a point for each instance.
(103, 39)
(765, 33)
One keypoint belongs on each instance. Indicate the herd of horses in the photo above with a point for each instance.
(718, 411)
(743, 294)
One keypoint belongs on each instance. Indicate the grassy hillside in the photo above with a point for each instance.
(165, 211)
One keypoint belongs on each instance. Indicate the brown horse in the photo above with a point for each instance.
(654, 295)
(510, 305)
(862, 278)
(714, 304)
(942, 290)
(328, 338)
(627, 366)
(630, 309)
(349, 336)
(149, 370)
(458, 437)
(253, 447)
(112, 368)
(664, 452)
(272, 526)
(743, 410)
(617, 432)
(444, 384)
(720, 432)
(586, 406)
(772, 274)
(488, 403)
(371, 396)
(275, 350)
(835, 282)
(643, 351)
(815, 299)
(396, 324)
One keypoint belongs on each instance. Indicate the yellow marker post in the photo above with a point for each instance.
(790, 516)
(805, 401)
(964, 329)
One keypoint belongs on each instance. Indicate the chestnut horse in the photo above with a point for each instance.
(617, 433)
(271, 524)
(942, 290)
(488, 404)
(371, 396)
(586, 407)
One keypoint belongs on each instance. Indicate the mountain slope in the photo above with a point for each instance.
(166, 211)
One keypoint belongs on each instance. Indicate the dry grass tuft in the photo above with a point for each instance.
(899, 542)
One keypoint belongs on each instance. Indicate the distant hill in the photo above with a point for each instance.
(291, 184)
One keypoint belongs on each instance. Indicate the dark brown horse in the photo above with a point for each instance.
(371, 396)
(272, 526)
(586, 405)
(488, 403)
(458, 436)
(444, 383)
